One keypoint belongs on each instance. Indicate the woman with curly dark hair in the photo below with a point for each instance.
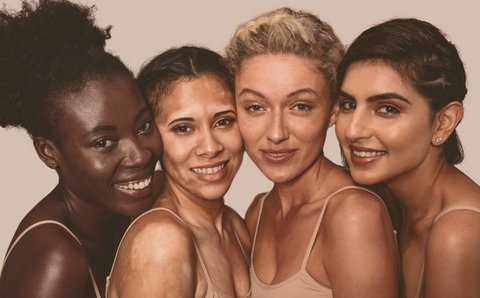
(89, 122)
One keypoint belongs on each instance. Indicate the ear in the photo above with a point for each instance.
(334, 114)
(447, 120)
(46, 150)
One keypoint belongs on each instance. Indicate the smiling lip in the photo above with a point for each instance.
(278, 156)
(363, 156)
(137, 186)
(211, 173)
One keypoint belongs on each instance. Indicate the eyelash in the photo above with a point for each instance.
(253, 108)
(229, 121)
(305, 107)
(181, 128)
(395, 110)
(148, 125)
(100, 143)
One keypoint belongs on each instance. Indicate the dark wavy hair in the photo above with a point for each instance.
(426, 60)
(157, 76)
(49, 50)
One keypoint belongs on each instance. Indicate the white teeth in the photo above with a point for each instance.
(277, 154)
(208, 170)
(137, 185)
(368, 154)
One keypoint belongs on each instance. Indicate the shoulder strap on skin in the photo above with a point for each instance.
(262, 200)
(238, 239)
(459, 207)
(322, 213)
(178, 217)
(97, 293)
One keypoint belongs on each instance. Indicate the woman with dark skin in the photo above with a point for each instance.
(89, 122)
(401, 88)
(189, 244)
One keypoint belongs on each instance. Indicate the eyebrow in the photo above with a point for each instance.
(387, 95)
(300, 91)
(246, 90)
(113, 127)
(193, 119)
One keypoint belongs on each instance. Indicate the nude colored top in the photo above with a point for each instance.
(97, 293)
(460, 207)
(301, 284)
(212, 290)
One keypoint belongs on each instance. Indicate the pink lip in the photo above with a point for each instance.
(285, 155)
(364, 160)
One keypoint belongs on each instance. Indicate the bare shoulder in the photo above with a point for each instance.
(47, 260)
(240, 228)
(452, 261)
(252, 214)
(156, 256)
(356, 208)
(456, 233)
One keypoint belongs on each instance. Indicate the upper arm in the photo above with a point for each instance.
(452, 258)
(360, 252)
(156, 259)
(46, 262)
(251, 217)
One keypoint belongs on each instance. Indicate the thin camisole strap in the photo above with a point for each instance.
(454, 208)
(322, 213)
(97, 293)
(238, 239)
(262, 200)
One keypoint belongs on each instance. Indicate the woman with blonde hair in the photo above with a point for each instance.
(315, 234)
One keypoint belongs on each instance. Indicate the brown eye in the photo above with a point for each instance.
(388, 110)
(105, 143)
(224, 122)
(181, 128)
(145, 126)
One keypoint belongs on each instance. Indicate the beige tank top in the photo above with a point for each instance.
(212, 290)
(97, 293)
(460, 207)
(301, 284)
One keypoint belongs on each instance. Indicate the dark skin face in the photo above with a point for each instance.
(109, 147)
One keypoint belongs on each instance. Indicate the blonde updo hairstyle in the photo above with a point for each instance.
(286, 31)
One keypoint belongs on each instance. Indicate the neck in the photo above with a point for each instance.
(89, 221)
(195, 211)
(306, 187)
(420, 191)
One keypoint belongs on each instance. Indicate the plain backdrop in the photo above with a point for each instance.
(144, 28)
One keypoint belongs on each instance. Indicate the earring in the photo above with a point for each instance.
(438, 140)
(51, 165)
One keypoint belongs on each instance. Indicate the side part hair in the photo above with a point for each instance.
(158, 76)
(426, 60)
(286, 31)
(50, 49)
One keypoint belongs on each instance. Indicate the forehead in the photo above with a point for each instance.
(279, 74)
(113, 101)
(373, 75)
(206, 94)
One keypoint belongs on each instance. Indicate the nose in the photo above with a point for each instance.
(359, 126)
(208, 145)
(137, 155)
(277, 128)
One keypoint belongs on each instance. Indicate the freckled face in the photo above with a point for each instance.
(109, 147)
(203, 148)
(384, 125)
(284, 112)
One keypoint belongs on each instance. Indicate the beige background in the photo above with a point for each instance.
(143, 28)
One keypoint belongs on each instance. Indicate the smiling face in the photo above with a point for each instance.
(384, 126)
(284, 112)
(203, 148)
(109, 147)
